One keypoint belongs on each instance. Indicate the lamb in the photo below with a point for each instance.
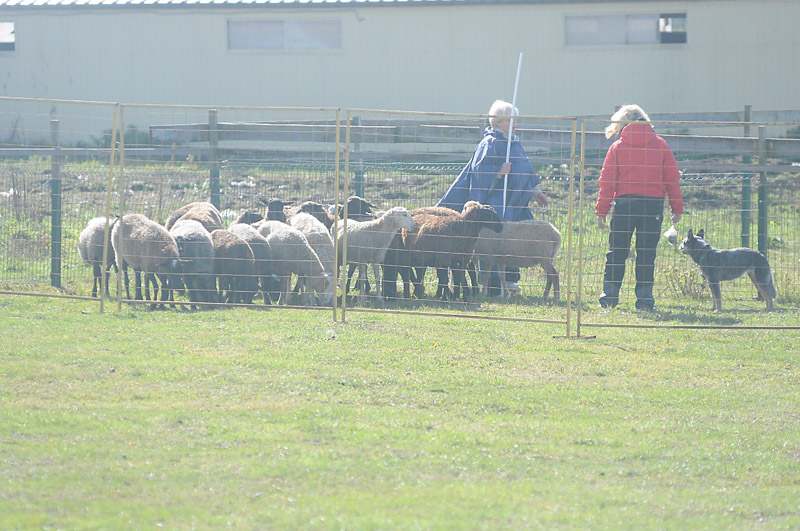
(291, 253)
(521, 244)
(234, 267)
(90, 246)
(197, 252)
(262, 255)
(448, 242)
(150, 249)
(368, 241)
(201, 211)
(321, 241)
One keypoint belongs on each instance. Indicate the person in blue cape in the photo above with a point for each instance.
(490, 180)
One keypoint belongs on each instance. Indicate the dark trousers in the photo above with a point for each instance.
(642, 215)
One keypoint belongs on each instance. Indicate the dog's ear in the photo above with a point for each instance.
(690, 235)
(700, 234)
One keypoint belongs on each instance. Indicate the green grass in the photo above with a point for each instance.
(284, 419)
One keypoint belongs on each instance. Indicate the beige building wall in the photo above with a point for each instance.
(431, 58)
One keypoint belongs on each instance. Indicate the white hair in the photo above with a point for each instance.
(626, 113)
(499, 111)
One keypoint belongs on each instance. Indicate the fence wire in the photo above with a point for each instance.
(56, 165)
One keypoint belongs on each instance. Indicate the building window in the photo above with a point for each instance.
(672, 28)
(284, 35)
(7, 38)
(604, 30)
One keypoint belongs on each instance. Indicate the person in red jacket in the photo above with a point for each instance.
(638, 172)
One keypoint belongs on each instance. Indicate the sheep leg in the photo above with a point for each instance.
(460, 283)
(378, 285)
(96, 272)
(443, 285)
(554, 280)
(405, 276)
(389, 282)
(473, 278)
(137, 282)
(419, 279)
(360, 281)
(286, 281)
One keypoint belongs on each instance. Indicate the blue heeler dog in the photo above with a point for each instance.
(729, 264)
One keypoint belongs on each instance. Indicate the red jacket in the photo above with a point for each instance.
(639, 163)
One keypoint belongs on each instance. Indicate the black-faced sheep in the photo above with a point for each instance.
(262, 255)
(520, 244)
(368, 241)
(148, 248)
(90, 246)
(275, 208)
(358, 208)
(201, 211)
(234, 267)
(448, 242)
(197, 252)
(292, 254)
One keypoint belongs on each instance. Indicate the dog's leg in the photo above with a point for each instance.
(762, 290)
(716, 294)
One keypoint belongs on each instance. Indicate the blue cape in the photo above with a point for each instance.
(475, 180)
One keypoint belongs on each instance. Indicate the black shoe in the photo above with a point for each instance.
(608, 302)
(646, 305)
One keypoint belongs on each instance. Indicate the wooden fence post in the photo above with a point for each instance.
(747, 186)
(55, 207)
(213, 163)
(763, 203)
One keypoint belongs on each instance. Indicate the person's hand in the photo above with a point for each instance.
(541, 199)
(676, 218)
(601, 221)
(505, 169)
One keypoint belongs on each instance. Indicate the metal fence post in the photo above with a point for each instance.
(762, 192)
(358, 172)
(213, 163)
(55, 207)
(747, 186)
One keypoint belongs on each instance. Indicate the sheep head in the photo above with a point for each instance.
(482, 216)
(401, 218)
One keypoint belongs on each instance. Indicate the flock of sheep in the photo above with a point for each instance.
(257, 256)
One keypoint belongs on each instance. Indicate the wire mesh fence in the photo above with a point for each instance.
(63, 163)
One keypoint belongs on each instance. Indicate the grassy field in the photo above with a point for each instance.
(284, 419)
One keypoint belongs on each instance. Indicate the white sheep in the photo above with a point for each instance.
(90, 246)
(262, 254)
(291, 253)
(520, 244)
(197, 252)
(367, 242)
(148, 248)
(321, 241)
